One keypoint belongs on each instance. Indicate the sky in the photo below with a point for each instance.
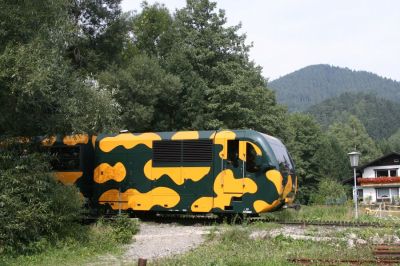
(291, 34)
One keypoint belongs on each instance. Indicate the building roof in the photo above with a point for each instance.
(387, 159)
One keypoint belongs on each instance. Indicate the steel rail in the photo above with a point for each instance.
(188, 218)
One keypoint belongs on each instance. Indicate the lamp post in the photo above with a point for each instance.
(354, 159)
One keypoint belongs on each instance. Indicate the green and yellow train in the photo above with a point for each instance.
(225, 171)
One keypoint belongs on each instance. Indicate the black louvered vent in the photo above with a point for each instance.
(182, 151)
(167, 151)
(197, 151)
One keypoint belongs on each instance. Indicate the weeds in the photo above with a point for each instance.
(120, 229)
(329, 213)
(82, 245)
(235, 247)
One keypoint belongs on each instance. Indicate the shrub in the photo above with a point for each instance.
(329, 192)
(122, 228)
(35, 209)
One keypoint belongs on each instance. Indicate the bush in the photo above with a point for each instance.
(121, 228)
(329, 192)
(35, 209)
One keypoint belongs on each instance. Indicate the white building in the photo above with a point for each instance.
(380, 179)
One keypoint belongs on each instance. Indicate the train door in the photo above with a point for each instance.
(234, 167)
(229, 162)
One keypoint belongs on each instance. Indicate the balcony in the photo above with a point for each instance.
(382, 180)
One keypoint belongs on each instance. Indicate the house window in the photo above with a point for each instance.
(388, 194)
(382, 193)
(360, 194)
(394, 192)
(385, 172)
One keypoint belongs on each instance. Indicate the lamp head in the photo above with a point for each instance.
(354, 158)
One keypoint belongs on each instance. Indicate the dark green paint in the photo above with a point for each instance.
(135, 158)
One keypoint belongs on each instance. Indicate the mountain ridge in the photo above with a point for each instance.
(313, 84)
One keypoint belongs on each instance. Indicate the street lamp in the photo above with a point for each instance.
(354, 158)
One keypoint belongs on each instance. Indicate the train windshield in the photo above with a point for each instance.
(281, 154)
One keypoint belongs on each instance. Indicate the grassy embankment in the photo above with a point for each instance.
(235, 246)
(330, 213)
(84, 244)
(226, 244)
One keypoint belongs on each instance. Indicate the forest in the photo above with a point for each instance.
(72, 66)
(317, 83)
(332, 95)
(380, 117)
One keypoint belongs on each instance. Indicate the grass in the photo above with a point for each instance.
(320, 213)
(329, 213)
(84, 244)
(225, 245)
(235, 247)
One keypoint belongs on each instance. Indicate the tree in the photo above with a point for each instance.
(219, 86)
(329, 192)
(333, 161)
(222, 88)
(394, 142)
(304, 142)
(210, 55)
(35, 209)
(100, 36)
(22, 21)
(353, 136)
(146, 94)
(380, 117)
(155, 32)
(41, 94)
(245, 103)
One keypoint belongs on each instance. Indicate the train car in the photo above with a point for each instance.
(72, 160)
(225, 171)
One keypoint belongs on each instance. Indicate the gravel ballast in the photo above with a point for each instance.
(160, 240)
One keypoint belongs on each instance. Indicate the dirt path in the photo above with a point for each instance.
(161, 240)
(156, 240)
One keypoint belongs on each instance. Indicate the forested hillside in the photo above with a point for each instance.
(380, 117)
(313, 84)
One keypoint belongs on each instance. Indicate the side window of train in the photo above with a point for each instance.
(233, 152)
(251, 155)
(66, 158)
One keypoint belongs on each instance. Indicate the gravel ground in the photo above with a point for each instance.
(326, 234)
(156, 240)
(161, 240)
(298, 232)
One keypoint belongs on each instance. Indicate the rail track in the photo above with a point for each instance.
(383, 255)
(321, 222)
(240, 219)
(213, 219)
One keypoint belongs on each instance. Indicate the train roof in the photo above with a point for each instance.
(195, 134)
